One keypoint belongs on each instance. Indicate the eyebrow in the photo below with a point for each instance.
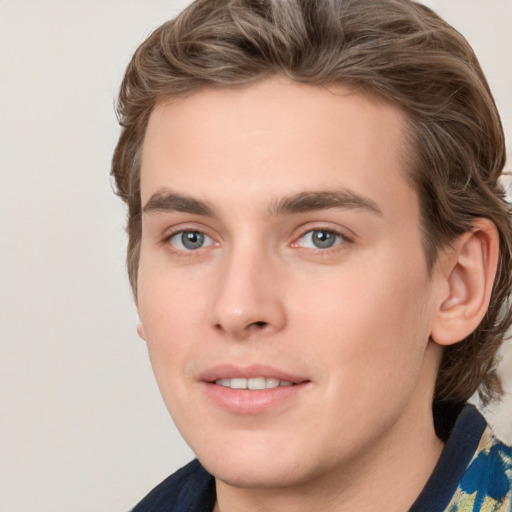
(323, 200)
(302, 202)
(173, 202)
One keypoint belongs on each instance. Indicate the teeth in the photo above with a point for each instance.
(253, 383)
(238, 383)
(272, 383)
(256, 383)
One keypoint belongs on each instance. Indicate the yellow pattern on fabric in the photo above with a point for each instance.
(486, 485)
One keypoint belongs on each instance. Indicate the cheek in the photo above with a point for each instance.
(171, 320)
(168, 299)
(172, 312)
(372, 321)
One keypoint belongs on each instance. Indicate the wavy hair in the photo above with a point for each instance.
(397, 49)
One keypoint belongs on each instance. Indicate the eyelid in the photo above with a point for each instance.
(180, 229)
(207, 241)
(338, 240)
(347, 235)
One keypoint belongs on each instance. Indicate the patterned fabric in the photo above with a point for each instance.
(486, 485)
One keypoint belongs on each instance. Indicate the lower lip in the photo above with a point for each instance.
(251, 402)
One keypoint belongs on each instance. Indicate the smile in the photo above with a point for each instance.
(253, 383)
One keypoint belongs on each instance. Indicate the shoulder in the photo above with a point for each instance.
(474, 472)
(190, 488)
(487, 482)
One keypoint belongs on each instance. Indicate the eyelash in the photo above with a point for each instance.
(341, 239)
(182, 232)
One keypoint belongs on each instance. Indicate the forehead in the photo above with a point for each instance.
(274, 136)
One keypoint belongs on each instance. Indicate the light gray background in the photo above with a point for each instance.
(82, 425)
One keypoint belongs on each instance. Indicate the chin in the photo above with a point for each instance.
(245, 474)
(265, 462)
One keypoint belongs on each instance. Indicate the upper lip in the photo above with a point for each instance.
(231, 371)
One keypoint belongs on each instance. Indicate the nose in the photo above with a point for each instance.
(248, 301)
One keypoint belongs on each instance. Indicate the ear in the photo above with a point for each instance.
(141, 332)
(469, 269)
(140, 328)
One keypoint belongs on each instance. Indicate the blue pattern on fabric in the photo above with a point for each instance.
(487, 476)
(486, 485)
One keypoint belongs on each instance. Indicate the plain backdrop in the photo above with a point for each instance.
(82, 425)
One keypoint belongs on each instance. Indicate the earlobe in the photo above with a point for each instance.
(141, 332)
(469, 274)
(140, 328)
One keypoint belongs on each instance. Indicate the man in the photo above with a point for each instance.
(319, 250)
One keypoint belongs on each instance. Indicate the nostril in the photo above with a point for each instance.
(259, 324)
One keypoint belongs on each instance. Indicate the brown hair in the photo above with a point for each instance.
(397, 49)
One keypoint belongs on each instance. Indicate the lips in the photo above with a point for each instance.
(253, 389)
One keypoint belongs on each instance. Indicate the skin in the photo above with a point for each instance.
(351, 322)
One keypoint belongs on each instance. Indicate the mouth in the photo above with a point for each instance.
(254, 383)
(251, 390)
(253, 377)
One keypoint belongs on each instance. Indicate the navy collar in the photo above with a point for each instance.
(455, 458)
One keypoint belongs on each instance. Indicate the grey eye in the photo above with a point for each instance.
(320, 239)
(323, 239)
(190, 240)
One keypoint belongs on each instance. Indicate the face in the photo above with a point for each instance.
(283, 290)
